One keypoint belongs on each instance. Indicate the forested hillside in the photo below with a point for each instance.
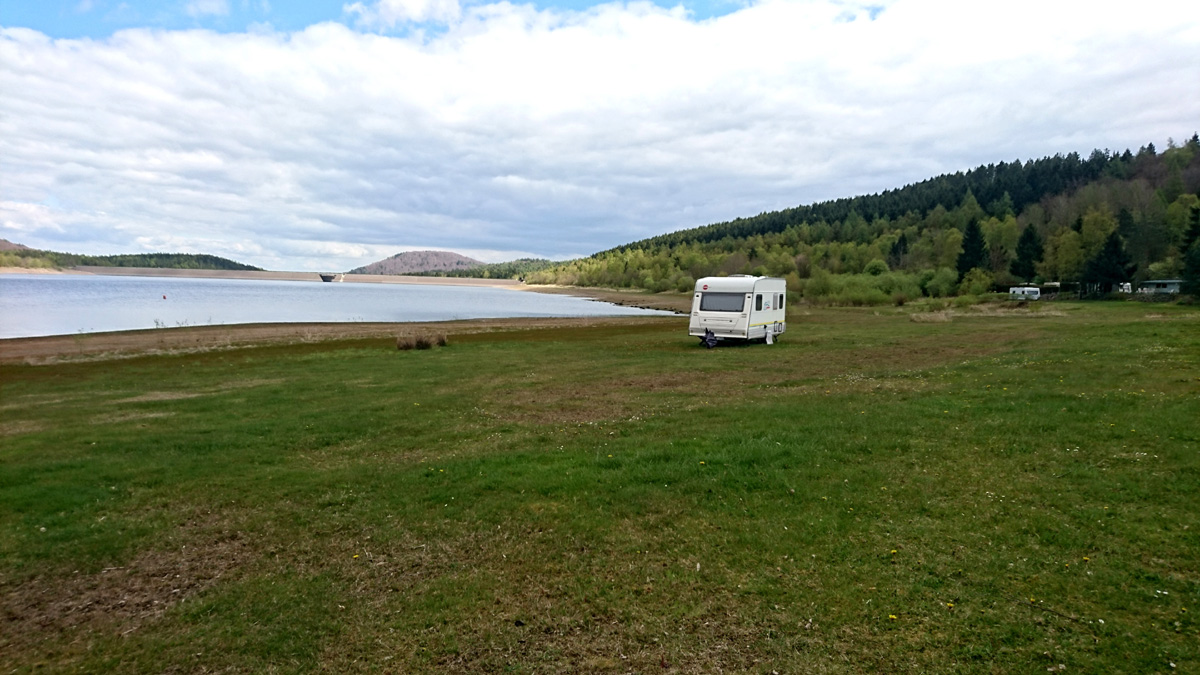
(21, 256)
(1063, 218)
(513, 269)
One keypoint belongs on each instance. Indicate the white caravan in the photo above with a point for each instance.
(1024, 293)
(739, 307)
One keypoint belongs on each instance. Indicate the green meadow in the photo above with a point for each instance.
(897, 490)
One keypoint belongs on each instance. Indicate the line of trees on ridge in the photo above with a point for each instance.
(31, 258)
(1100, 221)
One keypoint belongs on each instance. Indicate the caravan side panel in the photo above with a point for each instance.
(768, 308)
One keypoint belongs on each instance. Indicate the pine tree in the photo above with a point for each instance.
(1191, 271)
(899, 252)
(1110, 267)
(1002, 207)
(1193, 232)
(974, 250)
(1191, 256)
(1029, 253)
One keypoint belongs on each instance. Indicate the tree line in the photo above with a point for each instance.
(37, 259)
(513, 269)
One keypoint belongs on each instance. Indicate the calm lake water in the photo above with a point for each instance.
(38, 305)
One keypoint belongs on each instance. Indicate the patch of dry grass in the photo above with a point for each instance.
(116, 601)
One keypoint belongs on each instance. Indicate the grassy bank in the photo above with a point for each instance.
(982, 491)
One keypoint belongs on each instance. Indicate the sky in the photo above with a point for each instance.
(320, 136)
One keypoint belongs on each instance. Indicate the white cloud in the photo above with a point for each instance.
(198, 8)
(388, 13)
(525, 132)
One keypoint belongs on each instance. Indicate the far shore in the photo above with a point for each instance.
(267, 275)
(669, 301)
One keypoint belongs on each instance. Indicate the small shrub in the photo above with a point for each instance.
(942, 283)
(932, 304)
(854, 295)
(976, 282)
(405, 343)
(899, 282)
(876, 267)
(819, 285)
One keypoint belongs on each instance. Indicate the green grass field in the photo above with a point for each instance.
(882, 491)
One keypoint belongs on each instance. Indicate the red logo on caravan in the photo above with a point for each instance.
(706, 287)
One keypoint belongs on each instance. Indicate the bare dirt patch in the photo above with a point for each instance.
(248, 384)
(1018, 310)
(19, 427)
(116, 600)
(943, 316)
(947, 315)
(158, 396)
(572, 404)
(128, 417)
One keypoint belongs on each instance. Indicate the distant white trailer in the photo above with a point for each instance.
(1024, 293)
(739, 307)
(1161, 286)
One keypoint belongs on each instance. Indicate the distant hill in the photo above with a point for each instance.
(6, 245)
(18, 255)
(415, 262)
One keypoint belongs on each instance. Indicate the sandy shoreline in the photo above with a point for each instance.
(34, 270)
(124, 344)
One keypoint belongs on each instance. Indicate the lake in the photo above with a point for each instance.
(39, 305)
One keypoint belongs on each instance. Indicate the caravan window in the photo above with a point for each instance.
(722, 302)
(758, 302)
